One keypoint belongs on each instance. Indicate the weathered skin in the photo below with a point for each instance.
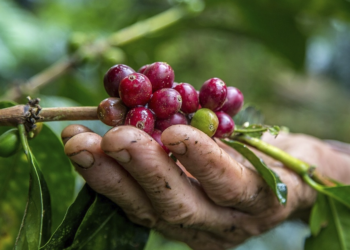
(226, 203)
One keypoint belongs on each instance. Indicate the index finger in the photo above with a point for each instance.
(226, 181)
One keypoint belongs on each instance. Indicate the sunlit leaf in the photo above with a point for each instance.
(64, 235)
(57, 170)
(271, 178)
(14, 174)
(36, 223)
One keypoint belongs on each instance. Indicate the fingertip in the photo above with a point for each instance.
(180, 139)
(87, 141)
(72, 130)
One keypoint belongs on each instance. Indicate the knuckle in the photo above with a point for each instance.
(185, 216)
(227, 198)
(143, 219)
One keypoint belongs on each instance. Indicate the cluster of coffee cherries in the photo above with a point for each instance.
(150, 100)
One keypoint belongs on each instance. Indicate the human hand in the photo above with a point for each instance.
(226, 203)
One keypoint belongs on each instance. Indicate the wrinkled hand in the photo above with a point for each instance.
(226, 203)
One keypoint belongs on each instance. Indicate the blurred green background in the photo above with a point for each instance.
(291, 59)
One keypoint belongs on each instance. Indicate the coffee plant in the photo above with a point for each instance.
(152, 101)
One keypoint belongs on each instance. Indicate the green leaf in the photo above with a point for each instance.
(271, 178)
(319, 215)
(14, 185)
(98, 223)
(122, 235)
(13, 192)
(340, 193)
(336, 234)
(7, 104)
(250, 115)
(36, 223)
(274, 130)
(64, 235)
(57, 170)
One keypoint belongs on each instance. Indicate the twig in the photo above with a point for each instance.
(148, 26)
(298, 166)
(39, 80)
(21, 114)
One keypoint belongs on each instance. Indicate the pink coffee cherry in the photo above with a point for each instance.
(189, 96)
(160, 74)
(156, 136)
(141, 118)
(165, 102)
(135, 89)
(212, 94)
(226, 125)
(143, 69)
(234, 101)
(177, 118)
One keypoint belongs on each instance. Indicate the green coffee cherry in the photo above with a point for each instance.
(10, 143)
(206, 121)
(33, 133)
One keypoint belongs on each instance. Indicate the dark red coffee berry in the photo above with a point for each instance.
(113, 77)
(141, 118)
(234, 101)
(177, 118)
(160, 74)
(143, 69)
(165, 102)
(226, 125)
(135, 89)
(156, 136)
(189, 97)
(212, 94)
(112, 111)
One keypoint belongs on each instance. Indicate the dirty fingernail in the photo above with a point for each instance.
(83, 159)
(177, 147)
(121, 156)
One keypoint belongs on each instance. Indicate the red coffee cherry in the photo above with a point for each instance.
(160, 74)
(226, 125)
(177, 118)
(234, 101)
(141, 118)
(165, 102)
(113, 77)
(189, 97)
(156, 136)
(135, 89)
(212, 94)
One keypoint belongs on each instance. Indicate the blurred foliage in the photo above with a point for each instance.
(289, 58)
